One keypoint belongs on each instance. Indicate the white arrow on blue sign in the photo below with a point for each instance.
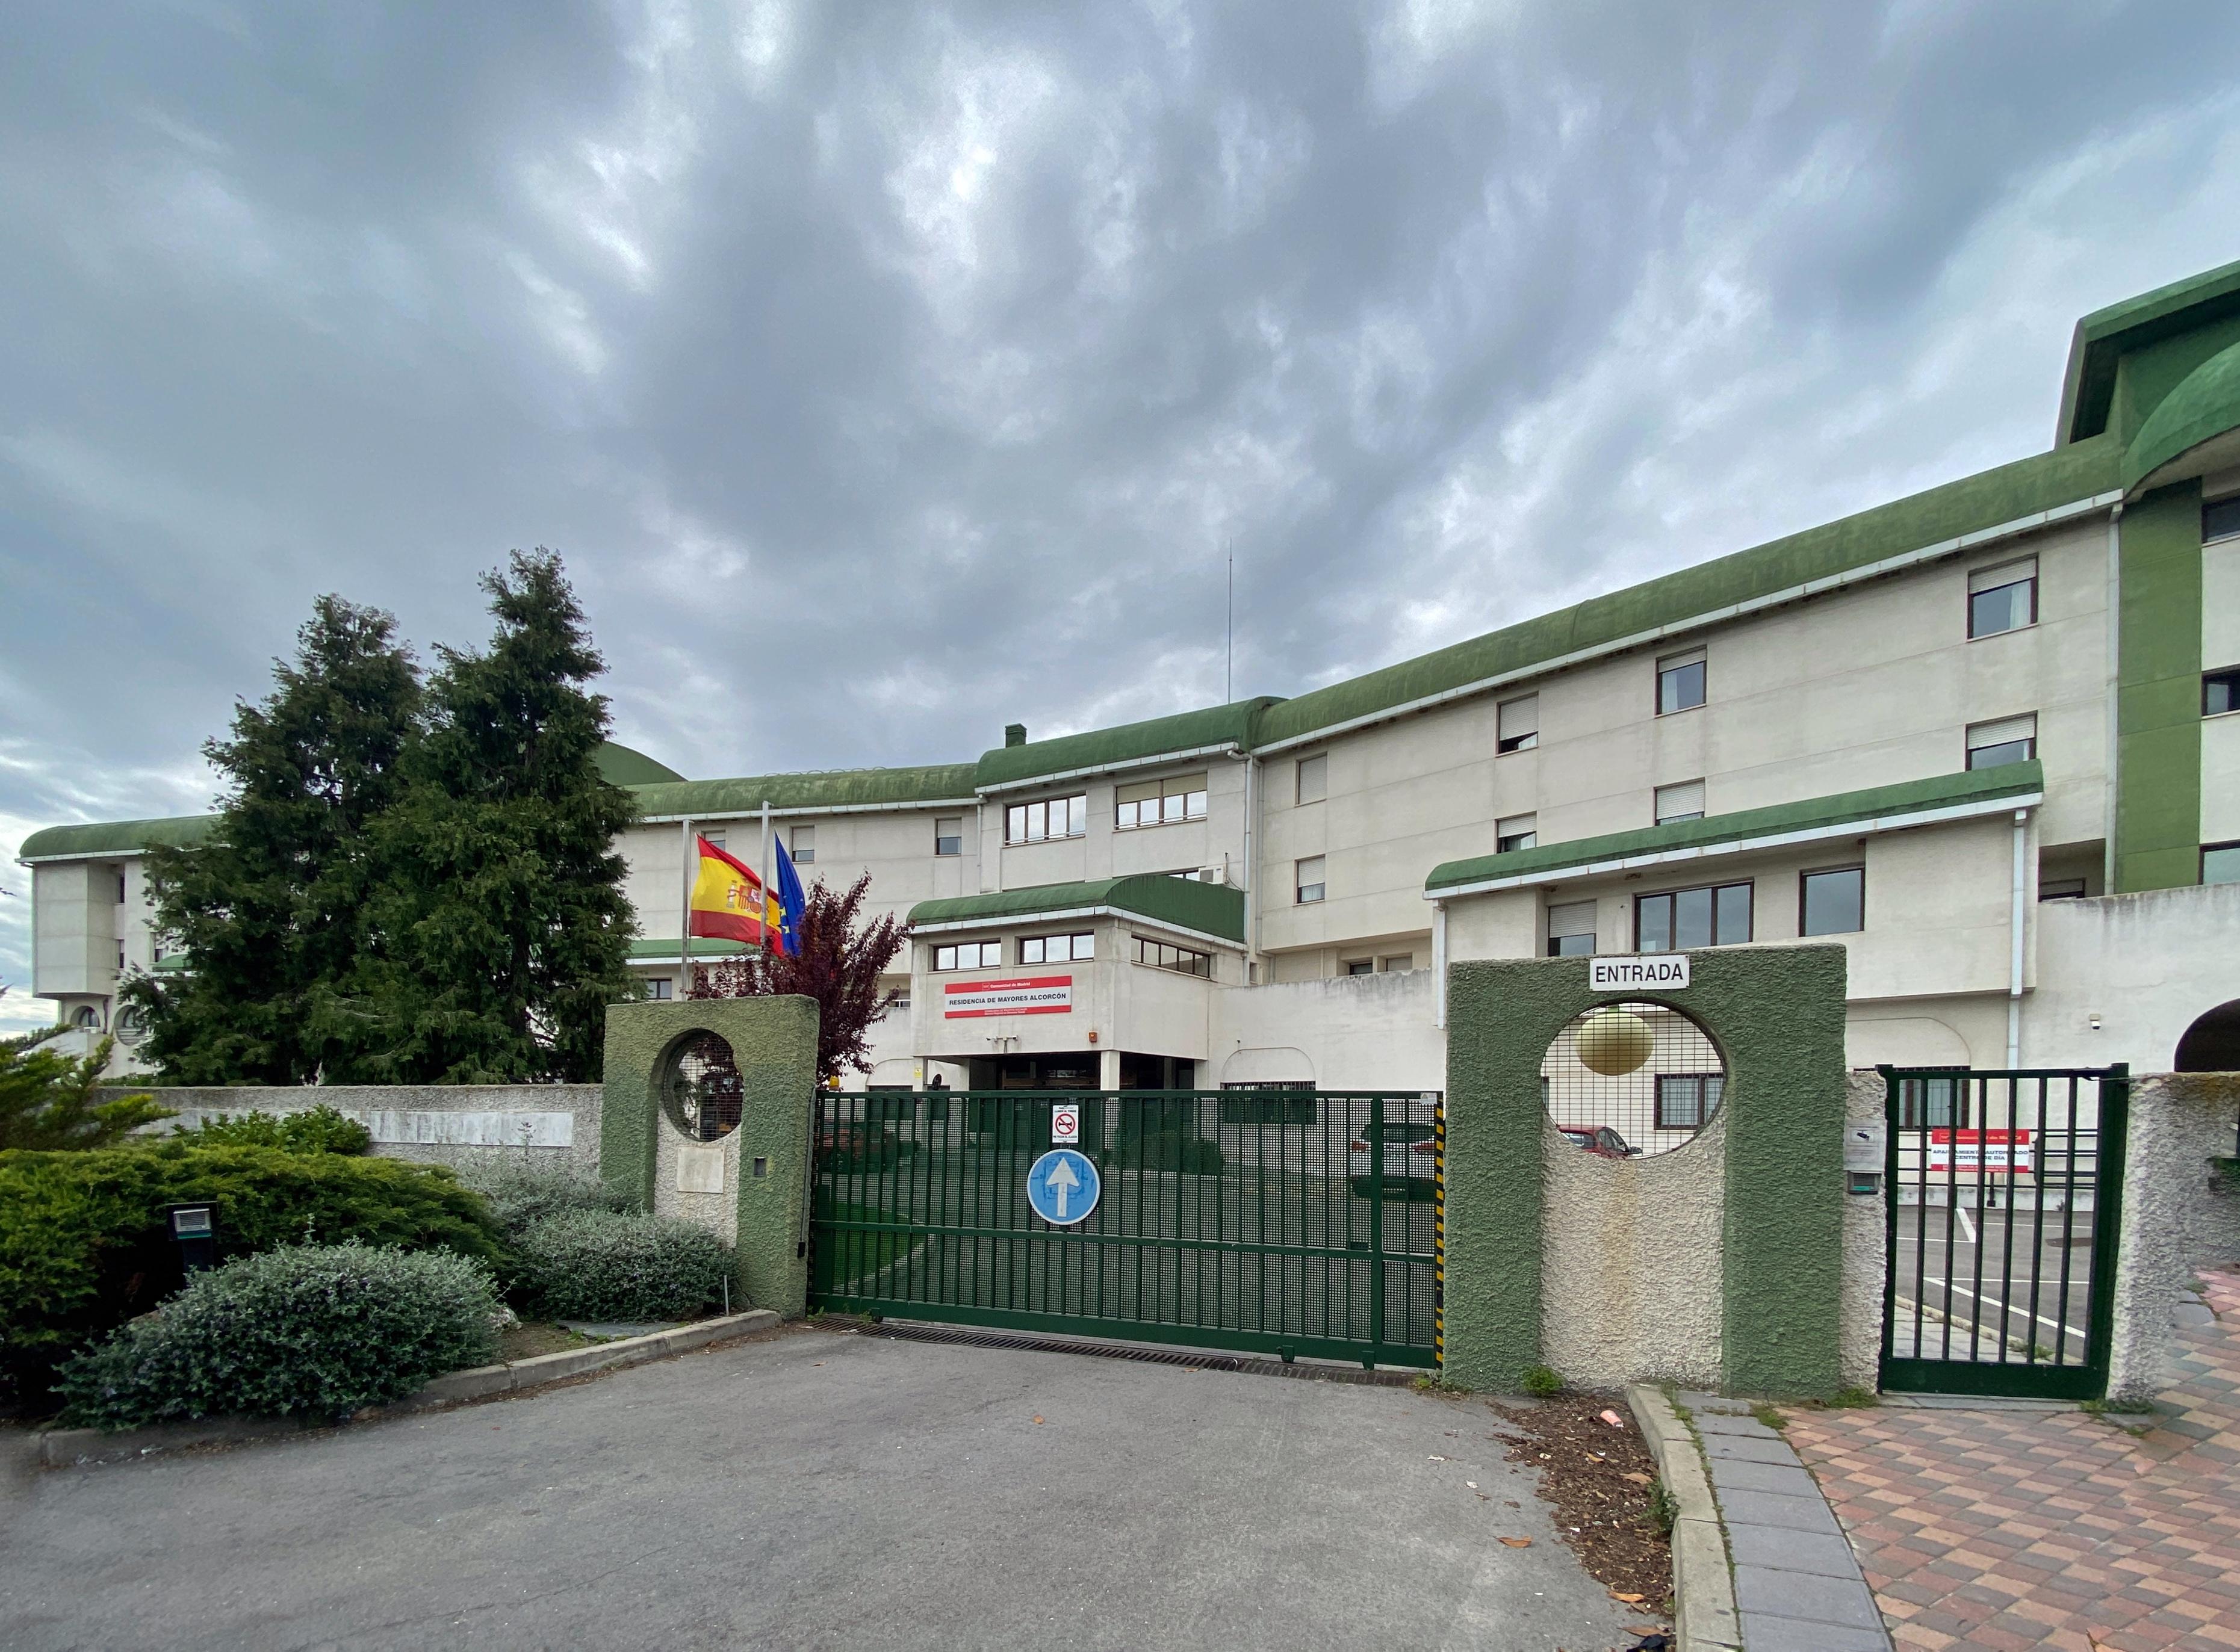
(1063, 1186)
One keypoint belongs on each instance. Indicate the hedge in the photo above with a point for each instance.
(524, 1192)
(85, 1245)
(605, 1265)
(316, 1130)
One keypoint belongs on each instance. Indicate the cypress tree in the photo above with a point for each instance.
(272, 905)
(506, 931)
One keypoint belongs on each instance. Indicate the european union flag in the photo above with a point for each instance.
(790, 900)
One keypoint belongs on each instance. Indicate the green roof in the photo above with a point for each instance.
(2206, 405)
(818, 788)
(1219, 725)
(1845, 809)
(115, 837)
(2104, 337)
(643, 951)
(624, 767)
(1210, 908)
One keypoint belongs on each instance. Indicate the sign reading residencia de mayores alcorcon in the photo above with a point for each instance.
(1020, 996)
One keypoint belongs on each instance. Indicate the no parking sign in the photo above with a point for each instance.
(1065, 1124)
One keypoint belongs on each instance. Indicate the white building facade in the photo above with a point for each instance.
(1987, 738)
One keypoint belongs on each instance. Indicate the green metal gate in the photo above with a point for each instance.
(2004, 1193)
(1284, 1222)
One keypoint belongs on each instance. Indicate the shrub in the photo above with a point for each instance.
(1542, 1382)
(47, 1099)
(318, 1330)
(1168, 1150)
(316, 1130)
(524, 1192)
(606, 1264)
(85, 1246)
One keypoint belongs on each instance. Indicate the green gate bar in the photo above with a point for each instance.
(1279, 1220)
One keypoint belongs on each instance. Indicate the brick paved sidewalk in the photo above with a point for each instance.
(2011, 1529)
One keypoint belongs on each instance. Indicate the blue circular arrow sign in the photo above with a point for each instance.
(1063, 1186)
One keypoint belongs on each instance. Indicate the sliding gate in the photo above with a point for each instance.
(2004, 1194)
(1277, 1221)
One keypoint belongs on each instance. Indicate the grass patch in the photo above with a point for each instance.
(2117, 1407)
(531, 1337)
(1765, 1413)
(1852, 1399)
(1542, 1382)
(857, 1256)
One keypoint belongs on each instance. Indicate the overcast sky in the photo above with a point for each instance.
(887, 374)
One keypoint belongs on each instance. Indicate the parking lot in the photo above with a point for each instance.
(822, 1487)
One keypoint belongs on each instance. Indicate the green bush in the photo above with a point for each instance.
(85, 1245)
(1542, 1382)
(317, 1130)
(316, 1331)
(1168, 1150)
(524, 1192)
(48, 1099)
(613, 1265)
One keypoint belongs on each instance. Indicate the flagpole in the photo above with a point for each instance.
(685, 929)
(766, 882)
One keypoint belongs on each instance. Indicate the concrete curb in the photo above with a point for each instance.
(69, 1448)
(1703, 1581)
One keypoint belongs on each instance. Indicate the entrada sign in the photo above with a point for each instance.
(1020, 996)
(1664, 970)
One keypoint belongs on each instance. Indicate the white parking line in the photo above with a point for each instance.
(2051, 1324)
(1966, 1226)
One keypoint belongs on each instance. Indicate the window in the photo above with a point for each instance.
(86, 1016)
(949, 835)
(714, 838)
(2061, 889)
(1160, 802)
(1681, 801)
(2220, 863)
(1361, 966)
(1834, 901)
(1307, 880)
(1268, 1103)
(120, 888)
(1686, 1101)
(2220, 519)
(2220, 693)
(1158, 954)
(968, 955)
(1313, 778)
(1682, 918)
(1398, 964)
(2004, 599)
(1056, 948)
(660, 987)
(803, 845)
(1518, 725)
(2007, 740)
(1571, 929)
(1937, 1103)
(1518, 831)
(1039, 821)
(1680, 683)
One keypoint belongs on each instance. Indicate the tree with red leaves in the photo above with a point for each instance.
(839, 965)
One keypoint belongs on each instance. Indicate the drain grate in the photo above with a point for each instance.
(1190, 1359)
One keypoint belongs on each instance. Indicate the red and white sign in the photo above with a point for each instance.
(1020, 996)
(1065, 1124)
(1993, 1152)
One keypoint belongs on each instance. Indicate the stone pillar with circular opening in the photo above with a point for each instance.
(706, 1117)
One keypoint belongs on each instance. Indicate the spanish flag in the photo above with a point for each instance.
(728, 902)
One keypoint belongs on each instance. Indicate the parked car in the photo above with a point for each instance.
(1411, 1160)
(1599, 1140)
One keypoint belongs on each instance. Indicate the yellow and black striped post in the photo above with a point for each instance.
(1439, 1235)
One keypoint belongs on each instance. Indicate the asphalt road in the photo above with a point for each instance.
(823, 1488)
(2001, 1299)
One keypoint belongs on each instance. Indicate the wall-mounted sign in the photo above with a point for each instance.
(1658, 970)
(1020, 996)
(1990, 1152)
(1065, 1124)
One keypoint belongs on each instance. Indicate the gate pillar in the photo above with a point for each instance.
(750, 1182)
(1777, 1014)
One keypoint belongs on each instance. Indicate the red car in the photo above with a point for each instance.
(1599, 1140)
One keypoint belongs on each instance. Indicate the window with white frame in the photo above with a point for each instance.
(715, 839)
(1517, 725)
(1687, 1100)
(1047, 818)
(1515, 832)
(802, 845)
(1397, 963)
(2003, 597)
(1683, 801)
(948, 834)
(1056, 948)
(1312, 778)
(1571, 929)
(1361, 966)
(1682, 682)
(2003, 741)
(1159, 802)
(1307, 880)
(1184, 960)
(967, 954)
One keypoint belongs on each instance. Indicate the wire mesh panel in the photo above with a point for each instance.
(1622, 1080)
(1286, 1221)
(2002, 1190)
(702, 1089)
